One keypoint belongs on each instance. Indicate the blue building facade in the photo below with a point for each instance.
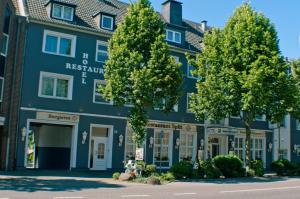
(64, 123)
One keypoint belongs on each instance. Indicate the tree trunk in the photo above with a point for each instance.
(248, 145)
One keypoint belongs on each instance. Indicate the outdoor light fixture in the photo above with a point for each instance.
(177, 143)
(202, 144)
(121, 137)
(270, 147)
(151, 141)
(84, 135)
(24, 132)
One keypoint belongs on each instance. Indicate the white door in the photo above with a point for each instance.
(100, 154)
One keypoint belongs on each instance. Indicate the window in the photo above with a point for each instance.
(130, 146)
(239, 147)
(188, 105)
(107, 22)
(59, 43)
(98, 97)
(163, 101)
(190, 70)
(297, 125)
(2, 88)
(177, 60)
(4, 46)
(101, 52)
(298, 150)
(62, 12)
(162, 149)
(260, 117)
(187, 147)
(173, 36)
(257, 148)
(55, 86)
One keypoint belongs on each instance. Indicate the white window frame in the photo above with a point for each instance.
(6, 45)
(194, 147)
(2, 89)
(173, 33)
(191, 76)
(297, 125)
(261, 120)
(95, 94)
(133, 145)
(187, 102)
(112, 22)
(170, 147)
(177, 59)
(56, 76)
(97, 50)
(62, 12)
(59, 35)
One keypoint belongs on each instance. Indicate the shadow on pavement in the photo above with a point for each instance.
(33, 185)
(241, 180)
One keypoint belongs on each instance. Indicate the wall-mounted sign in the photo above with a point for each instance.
(224, 131)
(84, 68)
(166, 125)
(62, 117)
(139, 154)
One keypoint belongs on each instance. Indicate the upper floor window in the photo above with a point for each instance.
(4, 47)
(98, 97)
(59, 43)
(297, 125)
(2, 88)
(260, 117)
(101, 51)
(163, 102)
(62, 12)
(188, 106)
(190, 70)
(173, 36)
(107, 22)
(54, 85)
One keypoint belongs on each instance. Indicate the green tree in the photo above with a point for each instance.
(243, 73)
(140, 70)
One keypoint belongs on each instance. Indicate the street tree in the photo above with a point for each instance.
(139, 70)
(243, 73)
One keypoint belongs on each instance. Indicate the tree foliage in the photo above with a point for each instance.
(140, 70)
(243, 71)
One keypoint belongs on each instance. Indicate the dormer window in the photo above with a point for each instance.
(173, 36)
(62, 12)
(107, 22)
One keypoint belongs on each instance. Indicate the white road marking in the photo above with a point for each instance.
(68, 197)
(4, 198)
(266, 189)
(134, 196)
(182, 194)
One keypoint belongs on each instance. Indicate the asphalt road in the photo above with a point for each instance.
(91, 188)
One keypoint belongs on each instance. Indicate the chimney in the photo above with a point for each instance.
(172, 12)
(203, 25)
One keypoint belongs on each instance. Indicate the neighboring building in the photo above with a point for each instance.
(64, 123)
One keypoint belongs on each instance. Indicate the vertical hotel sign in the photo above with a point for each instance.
(84, 68)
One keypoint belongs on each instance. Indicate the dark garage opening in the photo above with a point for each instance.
(49, 146)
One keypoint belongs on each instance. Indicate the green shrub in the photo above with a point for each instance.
(150, 169)
(116, 175)
(183, 169)
(285, 167)
(154, 180)
(208, 170)
(169, 177)
(258, 167)
(229, 165)
(251, 173)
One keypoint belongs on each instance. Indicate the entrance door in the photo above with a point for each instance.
(215, 150)
(100, 154)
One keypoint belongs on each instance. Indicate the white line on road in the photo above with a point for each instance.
(134, 196)
(182, 194)
(68, 197)
(266, 189)
(4, 198)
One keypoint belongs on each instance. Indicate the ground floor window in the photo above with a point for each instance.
(130, 146)
(187, 147)
(257, 148)
(162, 149)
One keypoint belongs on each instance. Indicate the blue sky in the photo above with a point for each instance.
(285, 14)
